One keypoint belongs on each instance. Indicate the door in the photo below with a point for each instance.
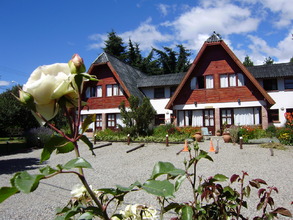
(209, 120)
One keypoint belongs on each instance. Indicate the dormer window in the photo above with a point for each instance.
(231, 80)
(114, 90)
(197, 83)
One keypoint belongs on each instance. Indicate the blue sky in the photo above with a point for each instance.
(35, 33)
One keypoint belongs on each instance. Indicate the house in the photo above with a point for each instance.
(217, 90)
(277, 80)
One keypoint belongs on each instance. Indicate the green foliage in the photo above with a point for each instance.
(268, 61)
(251, 132)
(247, 61)
(285, 135)
(139, 116)
(114, 45)
(272, 145)
(15, 118)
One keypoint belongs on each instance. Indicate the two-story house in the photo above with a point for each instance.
(217, 89)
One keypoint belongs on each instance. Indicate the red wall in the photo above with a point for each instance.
(105, 76)
(215, 60)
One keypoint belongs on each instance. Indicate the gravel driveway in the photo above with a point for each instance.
(112, 165)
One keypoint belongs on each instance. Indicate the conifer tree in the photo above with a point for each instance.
(247, 61)
(114, 45)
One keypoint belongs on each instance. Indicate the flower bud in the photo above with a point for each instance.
(27, 99)
(76, 64)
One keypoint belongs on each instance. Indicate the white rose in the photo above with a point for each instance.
(78, 191)
(49, 83)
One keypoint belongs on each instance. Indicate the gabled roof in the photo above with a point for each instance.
(161, 80)
(272, 70)
(126, 75)
(212, 42)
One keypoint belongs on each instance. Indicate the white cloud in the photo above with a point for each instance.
(223, 18)
(146, 35)
(260, 49)
(100, 38)
(4, 83)
(284, 8)
(163, 8)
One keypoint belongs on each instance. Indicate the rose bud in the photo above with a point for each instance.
(76, 64)
(26, 99)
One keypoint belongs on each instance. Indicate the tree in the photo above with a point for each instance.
(139, 116)
(182, 59)
(268, 61)
(114, 45)
(134, 57)
(291, 60)
(247, 61)
(15, 118)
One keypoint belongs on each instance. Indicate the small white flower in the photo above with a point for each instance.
(139, 212)
(78, 191)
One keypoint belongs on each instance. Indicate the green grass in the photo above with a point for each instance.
(277, 146)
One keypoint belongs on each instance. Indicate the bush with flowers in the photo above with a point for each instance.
(59, 86)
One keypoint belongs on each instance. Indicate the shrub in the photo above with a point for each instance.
(234, 133)
(251, 132)
(285, 135)
(37, 137)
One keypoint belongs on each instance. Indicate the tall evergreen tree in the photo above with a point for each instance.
(183, 59)
(291, 60)
(149, 65)
(114, 45)
(247, 61)
(134, 57)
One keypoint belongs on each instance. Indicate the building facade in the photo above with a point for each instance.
(217, 90)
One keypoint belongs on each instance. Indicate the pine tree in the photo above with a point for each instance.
(182, 60)
(247, 61)
(114, 45)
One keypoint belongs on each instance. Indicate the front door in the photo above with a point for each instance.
(209, 120)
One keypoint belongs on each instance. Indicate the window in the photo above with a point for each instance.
(159, 119)
(114, 90)
(209, 82)
(288, 83)
(230, 80)
(198, 82)
(111, 120)
(227, 116)
(99, 122)
(270, 84)
(99, 91)
(159, 93)
(172, 90)
(273, 115)
(90, 92)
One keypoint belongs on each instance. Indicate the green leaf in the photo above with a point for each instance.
(86, 123)
(220, 177)
(27, 183)
(54, 142)
(65, 148)
(159, 188)
(85, 140)
(47, 170)
(6, 192)
(179, 181)
(86, 216)
(187, 213)
(46, 153)
(161, 168)
(78, 162)
(203, 154)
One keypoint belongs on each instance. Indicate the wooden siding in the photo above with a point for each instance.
(215, 61)
(106, 77)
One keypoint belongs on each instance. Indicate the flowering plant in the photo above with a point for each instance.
(59, 87)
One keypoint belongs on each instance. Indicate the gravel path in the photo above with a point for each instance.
(113, 165)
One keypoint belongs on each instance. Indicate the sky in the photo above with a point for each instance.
(35, 33)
